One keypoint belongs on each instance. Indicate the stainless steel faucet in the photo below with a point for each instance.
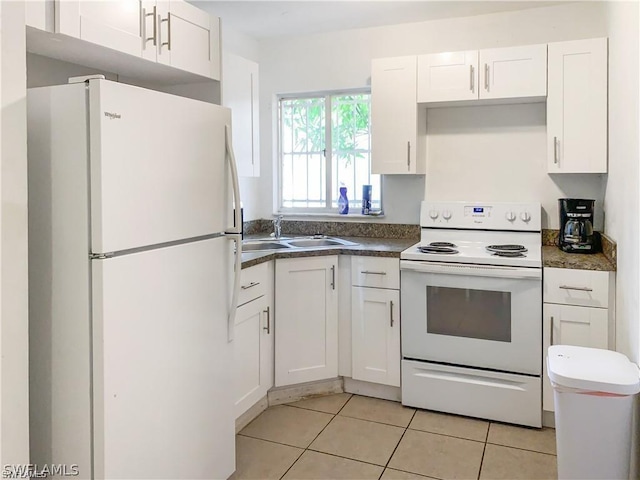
(277, 227)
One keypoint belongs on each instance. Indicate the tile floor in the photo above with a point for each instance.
(348, 436)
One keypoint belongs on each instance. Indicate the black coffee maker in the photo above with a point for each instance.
(576, 226)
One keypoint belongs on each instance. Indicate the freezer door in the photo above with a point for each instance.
(162, 376)
(158, 169)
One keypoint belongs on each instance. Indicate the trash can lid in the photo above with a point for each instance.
(593, 369)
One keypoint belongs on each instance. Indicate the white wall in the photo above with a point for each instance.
(341, 60)
(622, 199)
(498, 153)
(14, 343)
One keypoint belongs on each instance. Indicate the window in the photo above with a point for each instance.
(325, 144)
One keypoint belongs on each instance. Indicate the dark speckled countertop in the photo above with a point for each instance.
(553, 257)
(367, 246)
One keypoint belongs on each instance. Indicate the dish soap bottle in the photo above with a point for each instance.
(343, 202)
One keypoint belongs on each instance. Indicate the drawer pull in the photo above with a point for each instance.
(268, 327)
(251, 285)
(391, 312)
(369, 272)
(581, 289)
(551, 339)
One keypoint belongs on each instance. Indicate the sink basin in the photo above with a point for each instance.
(292, 243)
(315, 242)
(258, 246)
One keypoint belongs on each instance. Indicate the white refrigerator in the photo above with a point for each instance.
(133, 282)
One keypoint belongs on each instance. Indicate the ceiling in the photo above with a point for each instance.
(265, 18)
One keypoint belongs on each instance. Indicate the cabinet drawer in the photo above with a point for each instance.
(471, 392)
(585, 288)
(375, 272)
(254, 282)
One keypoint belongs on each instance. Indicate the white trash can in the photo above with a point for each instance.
(593, 391)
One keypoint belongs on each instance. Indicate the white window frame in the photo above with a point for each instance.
(328, 210)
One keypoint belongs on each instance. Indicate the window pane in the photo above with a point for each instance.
(302, 132)
(351, 146)
(303, 160)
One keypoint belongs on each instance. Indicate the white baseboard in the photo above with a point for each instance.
(293, 393)
(376, 390)
(247, 417)
(548, 419)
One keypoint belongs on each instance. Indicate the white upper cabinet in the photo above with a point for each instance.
(577, 107)
(173, 32)
(398, 127)
(188, 38)
(451, 76)
(515, 72)
(240, 94)
(498, 73)
(113, 24)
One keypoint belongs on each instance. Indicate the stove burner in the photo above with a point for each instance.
(442, 244)
(438, 250)
(512, 254)
(506, 248)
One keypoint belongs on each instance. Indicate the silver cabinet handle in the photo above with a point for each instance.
(391, 312)
(369, 272)
(333, 277)
(486, 77)
(168, 42)
(471, 79)
(555, 150)
(268, 327)
(551, 336)
(409, 155)
(582, 289)
(155, 27)
(250, 285)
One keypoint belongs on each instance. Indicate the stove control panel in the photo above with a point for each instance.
(482, 216)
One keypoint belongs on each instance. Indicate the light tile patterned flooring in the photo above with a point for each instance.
(352, 437)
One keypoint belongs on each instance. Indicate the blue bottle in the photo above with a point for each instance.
(366, 199)
(343, 202)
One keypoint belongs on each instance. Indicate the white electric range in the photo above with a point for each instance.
(472, 311)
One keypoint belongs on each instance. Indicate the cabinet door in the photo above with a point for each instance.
(444, 77)
(577, 107)
(253, 353)
(571, 325)
(114, 24)
(189, 38)
(307, 312)
(513, 72)
(240, 94)
(394, 116)
(375, 334)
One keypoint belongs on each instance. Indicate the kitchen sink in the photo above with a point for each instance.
(294, 243)
(316, 242)
(259, 246)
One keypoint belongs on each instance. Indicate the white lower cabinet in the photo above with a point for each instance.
(578, 310)
(253, 343)
(307, 312)
(375, 320)
(571, 325)
(253, 353)
(375, 335)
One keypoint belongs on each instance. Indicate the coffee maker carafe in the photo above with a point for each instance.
(576, 226)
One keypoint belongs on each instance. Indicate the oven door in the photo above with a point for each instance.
(472, 315)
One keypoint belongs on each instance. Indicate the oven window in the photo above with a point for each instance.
(462, 312)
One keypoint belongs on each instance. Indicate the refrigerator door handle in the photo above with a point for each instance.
(237, 228)
(234, 233)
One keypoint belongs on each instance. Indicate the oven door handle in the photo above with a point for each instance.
(471, 270)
